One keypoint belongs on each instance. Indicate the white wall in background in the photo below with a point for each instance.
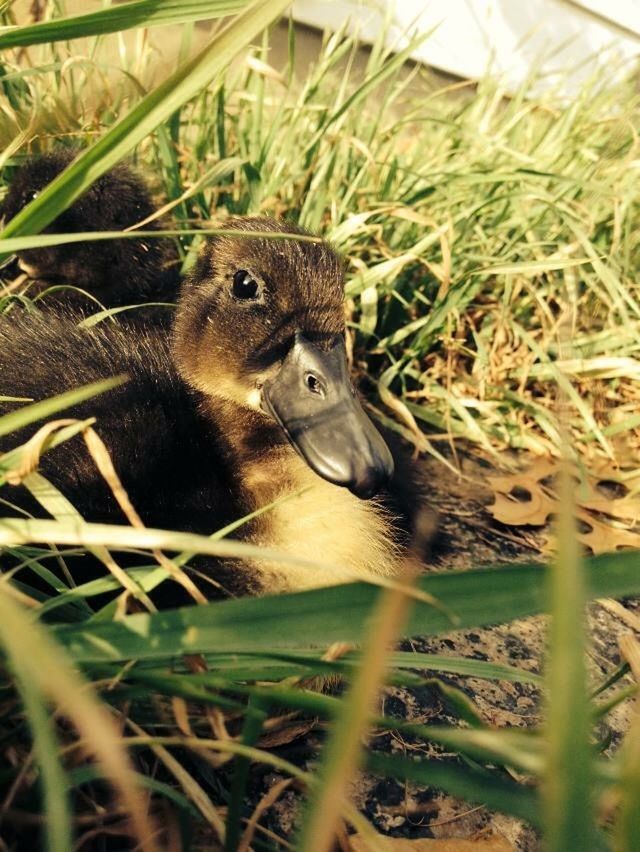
(506, 37)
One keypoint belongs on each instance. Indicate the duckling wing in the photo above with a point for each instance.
(163, 449)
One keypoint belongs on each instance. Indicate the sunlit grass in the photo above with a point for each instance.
(472, 225)
(468, 222)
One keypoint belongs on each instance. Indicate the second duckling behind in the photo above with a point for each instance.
(112, 273)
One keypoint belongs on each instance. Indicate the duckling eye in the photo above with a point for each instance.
(244, 286)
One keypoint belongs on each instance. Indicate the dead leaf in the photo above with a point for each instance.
(625, 509)
(181, 715)
(515, 511)
(528, 497)
(630, 651)
(605, 538)
(530, 478)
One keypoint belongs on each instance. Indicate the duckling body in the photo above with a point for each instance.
(112, 272)
(247, 404)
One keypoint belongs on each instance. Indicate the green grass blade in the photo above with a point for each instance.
(531, 266)
(55, 786)
(370, 83)
(250, 735)
(473, 781)
(11, 245)
(271, 664)
(319, 617)
(47, 668)
(145, 117)
(47, 407)
(124, 16)
(568, 804)
(489, 788)
(60, 508)
(399, 661)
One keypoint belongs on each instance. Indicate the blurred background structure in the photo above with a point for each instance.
(564, 42)
(555, 46)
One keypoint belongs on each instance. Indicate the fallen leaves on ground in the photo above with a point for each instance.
(606, 499)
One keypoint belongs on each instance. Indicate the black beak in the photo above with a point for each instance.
(313, 400)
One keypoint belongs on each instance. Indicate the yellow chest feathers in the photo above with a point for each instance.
(319, 522)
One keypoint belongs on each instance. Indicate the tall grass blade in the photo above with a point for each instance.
(491, 789)
(310, 619)
(124, 16)
(46, 668)
(568, 790)
(343, 752)
(54, 780)
(45, 408)
(568, 782)
(250, 734)
(145, 117)
(12, 245)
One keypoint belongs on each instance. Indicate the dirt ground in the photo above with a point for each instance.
(467, 536)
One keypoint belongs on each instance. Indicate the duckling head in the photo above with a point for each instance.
(117, 271)
(261, 324)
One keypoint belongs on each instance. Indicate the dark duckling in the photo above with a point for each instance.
(248, 402)
(115, 272)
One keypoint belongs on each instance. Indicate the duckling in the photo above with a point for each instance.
(115, 272)
(248, 401)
